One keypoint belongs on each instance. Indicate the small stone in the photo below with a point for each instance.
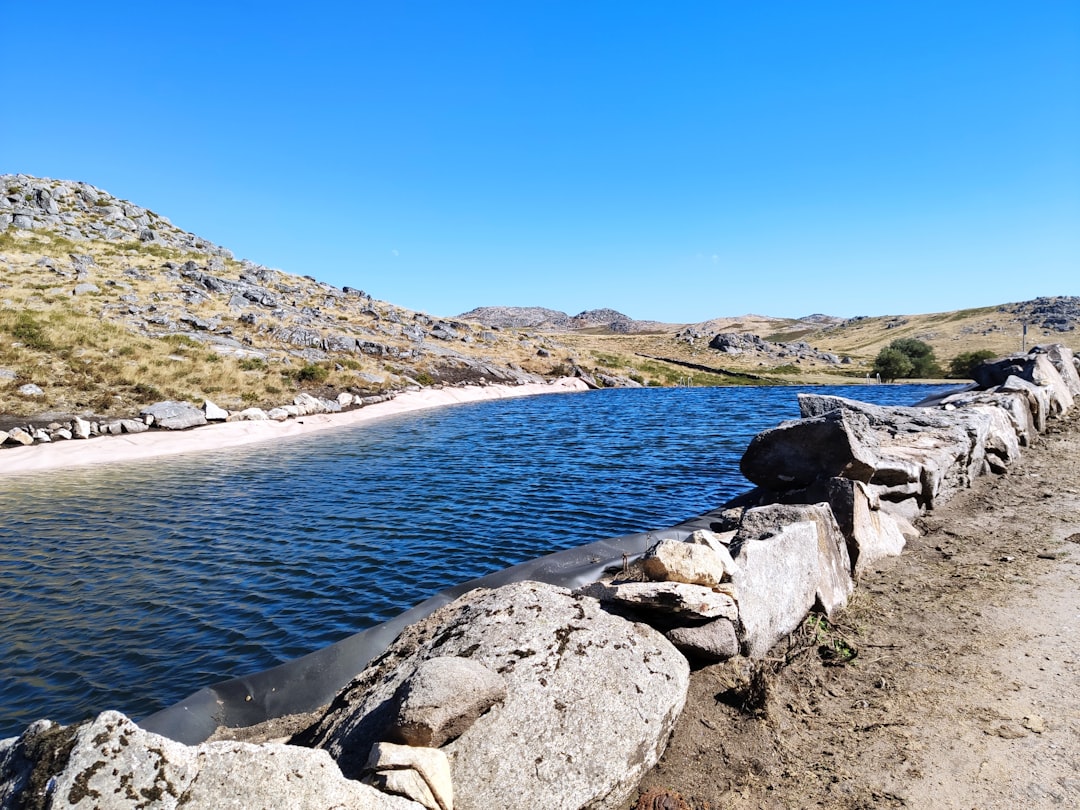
(1034, 722)
(31, 390)
(1009, 732)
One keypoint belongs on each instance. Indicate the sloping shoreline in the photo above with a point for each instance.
(217, 436)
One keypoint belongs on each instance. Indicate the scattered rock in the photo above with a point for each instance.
(171, 415)
(213, 413)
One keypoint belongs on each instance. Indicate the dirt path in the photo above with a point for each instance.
(964, 688)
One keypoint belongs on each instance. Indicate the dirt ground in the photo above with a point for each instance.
(951, 681)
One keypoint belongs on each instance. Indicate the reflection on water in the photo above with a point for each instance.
(129, 586)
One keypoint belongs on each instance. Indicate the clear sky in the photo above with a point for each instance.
(673, 160)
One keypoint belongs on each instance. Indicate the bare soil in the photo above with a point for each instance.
(951, 681)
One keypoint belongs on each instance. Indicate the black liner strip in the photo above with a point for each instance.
(306, 683)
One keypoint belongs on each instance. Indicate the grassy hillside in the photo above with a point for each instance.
(105, 313)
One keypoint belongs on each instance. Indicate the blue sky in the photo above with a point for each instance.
(675, 161)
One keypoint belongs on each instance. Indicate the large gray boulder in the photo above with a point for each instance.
(1049, 367)
(591, 699)
(776, 585)
(1064, 361)
(917, 452)
(833, 585)
(1037, 398)
(172, 415)
(112, 764)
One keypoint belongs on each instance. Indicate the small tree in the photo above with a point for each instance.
(892, 364)
(919, 357)
(963, 366)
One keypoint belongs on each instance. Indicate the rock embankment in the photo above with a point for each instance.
(532, 695)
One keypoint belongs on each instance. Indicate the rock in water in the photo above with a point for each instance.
(591, 699)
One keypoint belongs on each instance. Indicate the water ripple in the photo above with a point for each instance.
(129, 586)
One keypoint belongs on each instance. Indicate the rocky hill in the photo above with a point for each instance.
(106, 306)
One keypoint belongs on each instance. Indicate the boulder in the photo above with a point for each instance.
(172, 415)
(1065, 361)
(692, 563)
(442, 699)
(115, 765)
(1037, 398)
(797, 453)
(871, 534)
(80, 428)
(133, 426)
(31, 390)
(591, 699)
(776, 583)
(678, 599)
(248, 415)
(938, 451)
(308, 404)
(834, 584)
(1014, 404)
(19, 436)
(708, 643)
(214, 413)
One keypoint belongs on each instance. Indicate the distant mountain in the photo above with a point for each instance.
(552, 320)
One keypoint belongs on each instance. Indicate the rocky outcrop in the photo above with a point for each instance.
(739, 343)
(79, 211)
(590, 699)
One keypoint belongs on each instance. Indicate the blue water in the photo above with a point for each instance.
(129, 586)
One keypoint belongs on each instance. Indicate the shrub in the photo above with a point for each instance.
(962, 367)
(313, 373)
(27, 330)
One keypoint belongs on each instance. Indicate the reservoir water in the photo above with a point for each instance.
(130, 586)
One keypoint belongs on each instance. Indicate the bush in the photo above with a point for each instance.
(906, 358)
(31, 333)
(962, 367)
(313, 373)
